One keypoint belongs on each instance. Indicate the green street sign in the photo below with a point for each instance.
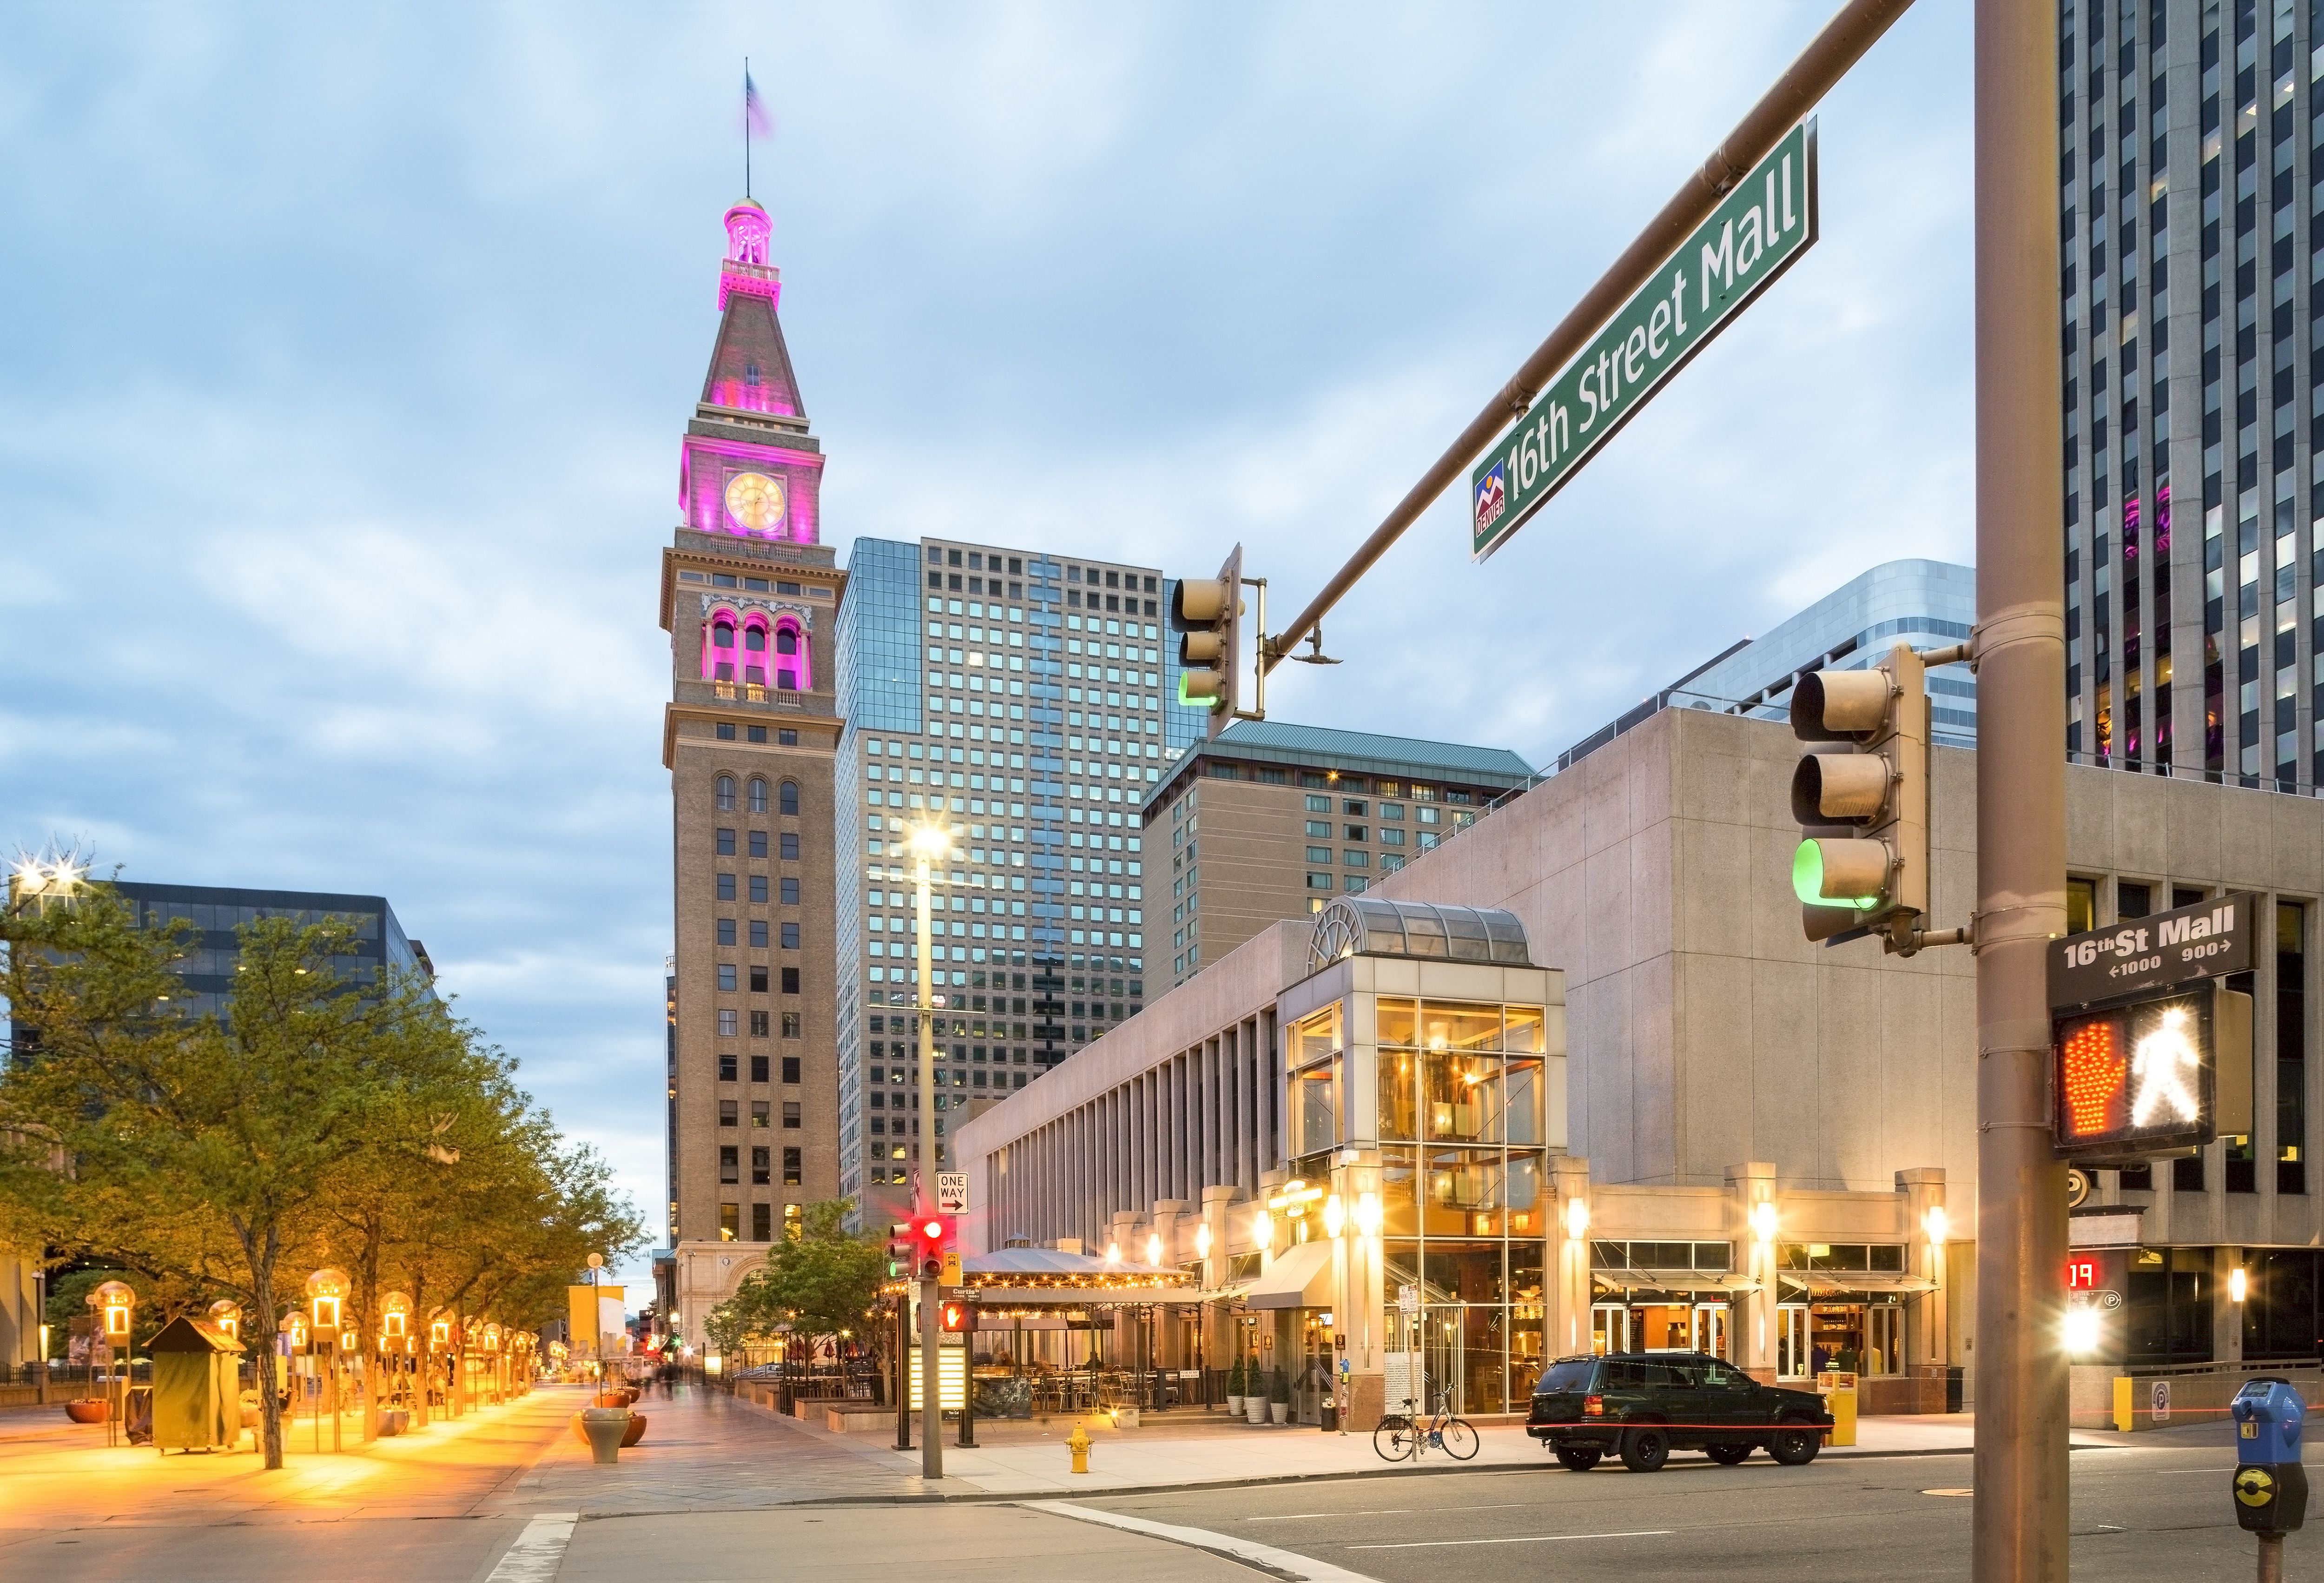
(1768, 220)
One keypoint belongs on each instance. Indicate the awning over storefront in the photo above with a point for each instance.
(1035, 1277)
(1300, 1276)
(1698, 1281)
(1834, 1283)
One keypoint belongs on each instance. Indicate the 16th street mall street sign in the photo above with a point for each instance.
(1768, 220)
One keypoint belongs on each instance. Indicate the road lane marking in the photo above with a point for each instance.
(1306, 1516)
(1525, 1539)
(1286, 1564)
(538, 1551)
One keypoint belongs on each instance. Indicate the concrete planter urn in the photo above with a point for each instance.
(1255, 1409)
(1234, 1407)
(605, 1428)
(1281, 1412)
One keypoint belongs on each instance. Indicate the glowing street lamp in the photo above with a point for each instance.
(327, 1296)
(227, 1315)
(1764, 1221)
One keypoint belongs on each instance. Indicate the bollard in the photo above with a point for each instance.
(1078, 1443)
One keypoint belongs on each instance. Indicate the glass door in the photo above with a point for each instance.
(1791, 1341)
(1610, 1329)
(1710, 1328)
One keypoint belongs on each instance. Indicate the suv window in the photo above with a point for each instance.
(1722, 1376)
(1680, 1376)
(1573, 1374)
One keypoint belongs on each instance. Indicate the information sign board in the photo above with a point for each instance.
(952, 1192)
(2209, 940)
(1767, 221)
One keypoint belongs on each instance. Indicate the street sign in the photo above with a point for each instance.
(2209, 940)
(1767, 220)
(949, 1275)
(952, 1192)
(1407, 1300)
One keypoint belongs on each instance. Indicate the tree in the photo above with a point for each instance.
(820, 1282)
(194, 1147)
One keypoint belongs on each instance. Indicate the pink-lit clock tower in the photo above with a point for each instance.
(749, 597)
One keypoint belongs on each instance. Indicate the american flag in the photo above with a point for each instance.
(754, 109)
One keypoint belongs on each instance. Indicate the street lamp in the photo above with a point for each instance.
(227, 1315)
(928, 842)
(327, 1296)
(116, 1302)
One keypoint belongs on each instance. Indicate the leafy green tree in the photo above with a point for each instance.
(820, 1282)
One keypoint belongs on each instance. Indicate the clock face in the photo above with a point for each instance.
(755, 501)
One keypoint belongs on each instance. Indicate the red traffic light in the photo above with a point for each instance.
(954, 1316)
(932, 1230)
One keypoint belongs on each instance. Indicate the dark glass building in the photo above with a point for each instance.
(214, 911)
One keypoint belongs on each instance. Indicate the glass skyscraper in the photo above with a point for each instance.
(1027, 699)
(2186, 131)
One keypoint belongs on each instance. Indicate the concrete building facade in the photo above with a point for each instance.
(1715, 1060)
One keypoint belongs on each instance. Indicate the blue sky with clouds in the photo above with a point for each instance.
(346, 352)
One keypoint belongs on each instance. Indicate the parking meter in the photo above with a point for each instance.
(2271, 1487)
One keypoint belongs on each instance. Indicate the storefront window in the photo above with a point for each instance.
(1522, 1030)
(1399, 1094)
(1316, 1034)
(1522, 1101)
(1459, 1097)
(1316, 1102)
(1460, 1028)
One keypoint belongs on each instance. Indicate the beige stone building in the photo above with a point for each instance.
(1269, 821)
(1755, 1130)
(749, 597)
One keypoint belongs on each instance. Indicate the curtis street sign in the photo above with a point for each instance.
(1768, 220)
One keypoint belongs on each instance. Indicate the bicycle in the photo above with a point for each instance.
(1398, 1436)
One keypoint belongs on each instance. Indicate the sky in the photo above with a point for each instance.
(347, 350)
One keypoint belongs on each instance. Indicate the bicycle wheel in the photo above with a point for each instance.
(1393, 1439)
(1457, 1437)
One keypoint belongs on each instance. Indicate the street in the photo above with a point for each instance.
(720, 1490)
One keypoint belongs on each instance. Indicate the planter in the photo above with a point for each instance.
(91, 1409)
(1255, 1409)
(1125, 1418)
(605, 1427)
(1234, 1407)
(1281, 1412)
(637, 1431)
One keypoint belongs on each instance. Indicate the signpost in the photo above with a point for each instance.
(2150, 1055)
(1764, 222)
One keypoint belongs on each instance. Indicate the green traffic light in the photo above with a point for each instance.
(1807, 881)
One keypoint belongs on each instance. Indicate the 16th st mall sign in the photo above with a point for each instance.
(1768, 220)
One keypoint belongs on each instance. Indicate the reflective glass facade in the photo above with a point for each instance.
(215, 912)
(1028, 701)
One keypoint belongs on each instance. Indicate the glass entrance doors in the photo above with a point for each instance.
(1791, 1341)
(1710, 1328)
(1659, 1327)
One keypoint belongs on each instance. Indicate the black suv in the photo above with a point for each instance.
(1646, 1404)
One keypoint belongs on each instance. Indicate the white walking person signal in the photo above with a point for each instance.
(2160, 1064)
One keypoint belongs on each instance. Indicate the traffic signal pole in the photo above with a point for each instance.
(2020, 1532)
(931, 1398)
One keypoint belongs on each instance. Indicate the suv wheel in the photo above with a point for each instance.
(1645, 1449)
(1579, 1458)
(1795, 1447)
(1727, 1456)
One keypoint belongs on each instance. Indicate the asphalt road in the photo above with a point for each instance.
(2160, 1512)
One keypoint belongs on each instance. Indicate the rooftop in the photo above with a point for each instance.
(1324, 747)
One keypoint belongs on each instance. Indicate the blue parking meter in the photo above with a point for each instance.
(2271, 1487)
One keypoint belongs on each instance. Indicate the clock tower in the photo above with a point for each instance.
(750, 597)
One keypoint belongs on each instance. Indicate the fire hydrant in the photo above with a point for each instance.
(1078, 1443)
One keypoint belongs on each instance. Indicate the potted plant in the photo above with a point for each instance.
(1234, 1388)
(1254, 1396)
(1279, 1396)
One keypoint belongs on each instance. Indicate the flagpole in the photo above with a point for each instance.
(746, 127)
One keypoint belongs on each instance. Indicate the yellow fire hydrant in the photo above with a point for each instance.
(1078, 1443)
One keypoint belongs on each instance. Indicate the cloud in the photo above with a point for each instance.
(339, 410)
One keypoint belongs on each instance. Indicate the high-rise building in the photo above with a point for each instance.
(1268, 821)
(214, 912)
(1928, 604)
(749, 597)
(1026, 699)
(2186, 129)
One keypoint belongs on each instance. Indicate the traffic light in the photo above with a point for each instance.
(928, 1236)
(1207, 612)
(952, 1317)
(1862, 864)
(900, 1250)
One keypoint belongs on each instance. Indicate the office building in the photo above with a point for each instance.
(1927, 603)
(1268, 821)
(1713, 1061)
(214, 912)
(748, 595)
(1027, 700)
(2186, 131)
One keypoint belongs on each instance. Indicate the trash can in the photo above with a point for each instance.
(1838, 1389)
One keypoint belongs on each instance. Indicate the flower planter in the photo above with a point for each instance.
(605, 1427)
(1234, 1407)
(637, 1431)
(92, 1409)
(1281, 1412)
(1255, 1409)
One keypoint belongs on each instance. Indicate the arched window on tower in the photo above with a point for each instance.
(786, 801)
(792, 658)
(754, 651)
(758, 796)
(725, 793)
(718, 647)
